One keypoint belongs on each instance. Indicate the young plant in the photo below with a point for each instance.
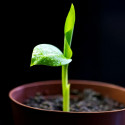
(46, 54)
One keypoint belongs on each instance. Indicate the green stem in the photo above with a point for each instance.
(65, 88)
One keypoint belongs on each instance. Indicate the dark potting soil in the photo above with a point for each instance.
(86, 101)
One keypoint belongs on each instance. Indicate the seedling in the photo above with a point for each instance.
(46, 54)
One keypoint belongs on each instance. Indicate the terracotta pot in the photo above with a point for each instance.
(26, 115)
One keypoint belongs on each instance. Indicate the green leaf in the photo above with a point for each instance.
(46, 54)
(69, 24)
(68, 32)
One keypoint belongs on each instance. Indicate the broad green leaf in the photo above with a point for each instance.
(68, 32)
(46, 54)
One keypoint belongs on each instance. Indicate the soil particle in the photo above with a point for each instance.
(85, 101)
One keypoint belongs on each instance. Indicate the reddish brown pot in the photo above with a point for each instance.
(25, 115)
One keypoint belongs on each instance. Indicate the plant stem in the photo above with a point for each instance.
(65, 88)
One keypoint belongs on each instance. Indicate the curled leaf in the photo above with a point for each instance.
(68, 32)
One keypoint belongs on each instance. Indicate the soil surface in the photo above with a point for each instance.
(86, 101)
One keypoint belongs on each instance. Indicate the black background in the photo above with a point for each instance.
(98, 42)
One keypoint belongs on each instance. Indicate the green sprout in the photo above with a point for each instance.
(46, 54)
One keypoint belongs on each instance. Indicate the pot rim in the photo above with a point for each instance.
(70, 81)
